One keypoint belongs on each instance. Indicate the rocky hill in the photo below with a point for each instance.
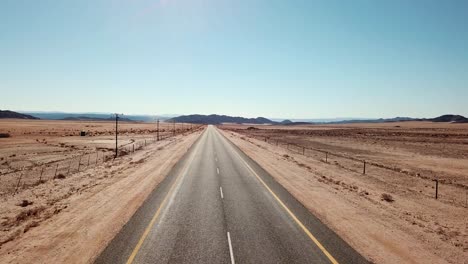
(451, 118)
(218, 119)
(11, 114)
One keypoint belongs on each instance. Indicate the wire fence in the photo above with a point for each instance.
(452, 193)
(16, 180)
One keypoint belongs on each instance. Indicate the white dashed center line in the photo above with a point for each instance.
(230, 249)
(221, 191)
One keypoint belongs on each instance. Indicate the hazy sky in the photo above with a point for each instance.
(291, 59)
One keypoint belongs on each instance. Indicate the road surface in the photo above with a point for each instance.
(218, 206)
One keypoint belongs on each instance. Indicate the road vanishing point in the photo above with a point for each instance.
(218, 206)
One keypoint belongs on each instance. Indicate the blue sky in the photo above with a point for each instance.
(290, 59)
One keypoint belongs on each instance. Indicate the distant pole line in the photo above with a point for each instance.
(157, 132)
(116, 134)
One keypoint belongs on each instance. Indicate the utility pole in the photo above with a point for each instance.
(116, 134)
(157, 131)
(173, 127)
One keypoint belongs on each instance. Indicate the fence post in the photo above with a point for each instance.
(19, 180)
(40, 176)
(303, 151)
(466, 198)
(69, 165)
(145, 142)
(97, 153)
(364, 170)
(79, 163)
(288, 146)
(437, 188)
(89, 156)
(326, 157)
(55, 174)
(133, 147)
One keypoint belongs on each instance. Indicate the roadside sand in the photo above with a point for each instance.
(420, 149)
(41, 142)
(412, 229)
(71, 220)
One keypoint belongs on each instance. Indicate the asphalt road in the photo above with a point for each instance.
(218, 206)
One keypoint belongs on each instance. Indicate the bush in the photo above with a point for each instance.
(60, 176)
(387, 197)
(4, 135)
(25, 203)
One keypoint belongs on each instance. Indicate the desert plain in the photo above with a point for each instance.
(387, 211)
(64, 196)
(60, 190)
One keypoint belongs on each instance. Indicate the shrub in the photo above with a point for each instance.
(387, 197)
(25, 203)
(4, 135)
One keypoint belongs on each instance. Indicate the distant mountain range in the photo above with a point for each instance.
(95, 116)
(443, 118)
(11, 114)
(379, 120)
(217, 119)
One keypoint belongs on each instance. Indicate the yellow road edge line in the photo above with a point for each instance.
(312, 237)
(298, 222)
(156, 215)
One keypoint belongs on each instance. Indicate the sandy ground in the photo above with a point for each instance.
(414, 228)
(37, 142)
(423, 150)
(36, 148)
(71, 220)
